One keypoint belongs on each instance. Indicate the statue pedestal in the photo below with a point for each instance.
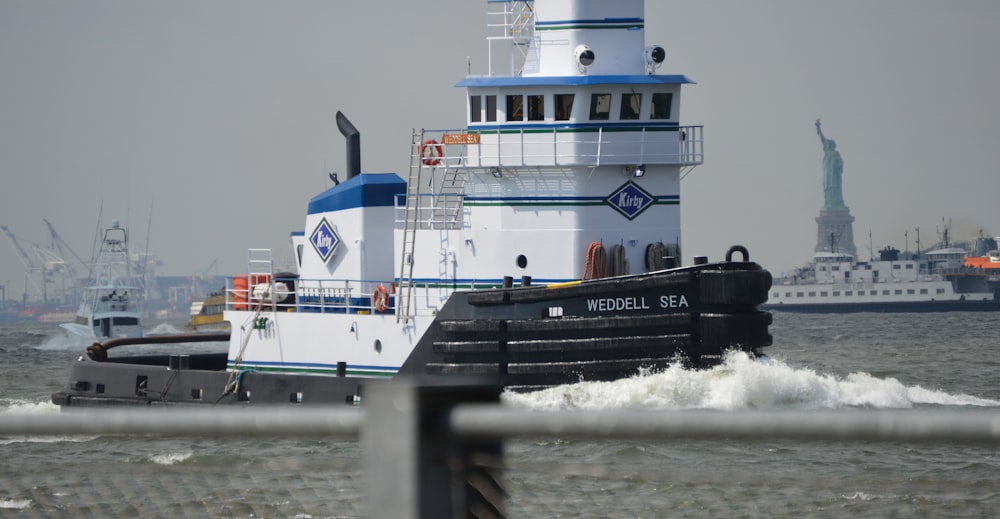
(836, 229)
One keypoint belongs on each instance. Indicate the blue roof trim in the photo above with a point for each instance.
(523, 81)
(365, 190)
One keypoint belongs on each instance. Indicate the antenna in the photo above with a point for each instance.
(943, 234)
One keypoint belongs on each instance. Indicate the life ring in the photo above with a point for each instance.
(431, 152)
(380, 299)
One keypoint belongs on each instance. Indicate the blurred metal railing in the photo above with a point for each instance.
(424, 446)
(497, 422)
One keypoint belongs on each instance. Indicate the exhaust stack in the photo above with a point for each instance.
(353, 145)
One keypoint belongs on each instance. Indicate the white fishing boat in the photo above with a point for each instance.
(537, 244)
(111, 305)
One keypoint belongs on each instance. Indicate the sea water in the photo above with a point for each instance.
(817, 362)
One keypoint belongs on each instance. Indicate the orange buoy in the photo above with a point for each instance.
(431, 152)
(240, 293)
(380, 299)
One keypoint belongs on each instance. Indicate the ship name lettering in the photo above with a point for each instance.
(673, 301)
(614, 304)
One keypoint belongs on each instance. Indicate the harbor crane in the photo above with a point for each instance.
(44, 266)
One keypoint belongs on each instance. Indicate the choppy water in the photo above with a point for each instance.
(840, 362)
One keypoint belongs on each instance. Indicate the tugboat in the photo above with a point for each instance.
(537, 245)
(110, 308)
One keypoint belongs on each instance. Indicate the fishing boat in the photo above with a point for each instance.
(208, 315)
(937, 280)
(537, 245)
(110, 307)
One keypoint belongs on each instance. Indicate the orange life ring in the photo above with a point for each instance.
(380, 299)
(431, 152)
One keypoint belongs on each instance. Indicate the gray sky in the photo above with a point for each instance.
(216, 119)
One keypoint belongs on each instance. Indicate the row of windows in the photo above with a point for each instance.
(835, 268)
(531, 107)
(836, 293)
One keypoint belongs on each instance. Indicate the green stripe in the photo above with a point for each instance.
(330, 372)
(541, 203)
(551, 203)
(460, 286)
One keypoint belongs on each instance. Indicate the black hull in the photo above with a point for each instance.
(520, 338)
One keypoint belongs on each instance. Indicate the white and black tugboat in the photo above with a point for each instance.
(537, 245)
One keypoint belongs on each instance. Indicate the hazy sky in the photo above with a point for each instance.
(214, 120)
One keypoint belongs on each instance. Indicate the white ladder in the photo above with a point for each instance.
(404, 291)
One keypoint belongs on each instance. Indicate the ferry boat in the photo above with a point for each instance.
(110, 307)
(208, 315)
(537, 245)
(934, 281)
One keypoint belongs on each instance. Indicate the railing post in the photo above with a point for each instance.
(415, 466)
(600, 142)
(523, 162)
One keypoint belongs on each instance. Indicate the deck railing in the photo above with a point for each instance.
(335, 296)
(461, 148)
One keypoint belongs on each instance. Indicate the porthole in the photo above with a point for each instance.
(522, 261)
(378, 346)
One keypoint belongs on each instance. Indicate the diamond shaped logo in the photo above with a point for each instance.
(325, 240)
(630, 200)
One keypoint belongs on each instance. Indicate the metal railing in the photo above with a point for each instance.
(423, 446)
(462, 148)
(309, 295)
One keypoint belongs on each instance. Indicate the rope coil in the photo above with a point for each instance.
(596, 264)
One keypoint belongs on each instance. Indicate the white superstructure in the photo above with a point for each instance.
(570, 160)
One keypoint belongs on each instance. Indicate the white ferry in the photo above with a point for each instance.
(936, 281)
(538, 244)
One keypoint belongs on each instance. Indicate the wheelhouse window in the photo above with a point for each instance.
(660, 108)
(515, 108)
(536, 108)
(475, 109)
(600, 107)
(564, 106)
(630, 106)
(491, 109)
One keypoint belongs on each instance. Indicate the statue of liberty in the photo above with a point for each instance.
(833, 172)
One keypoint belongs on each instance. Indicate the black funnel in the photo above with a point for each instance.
(353, 145)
